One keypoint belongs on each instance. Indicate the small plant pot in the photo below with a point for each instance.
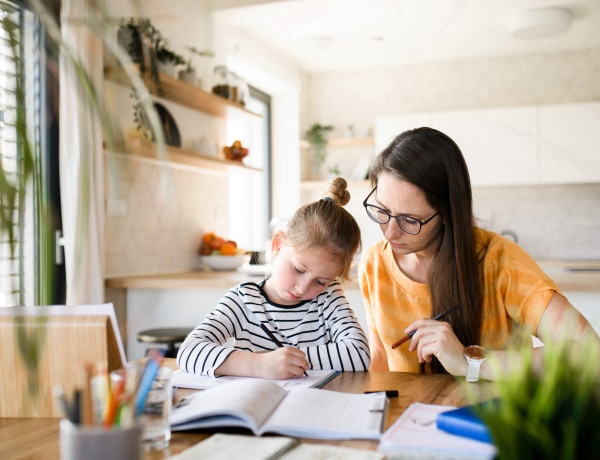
(188, 76)
(167, 68)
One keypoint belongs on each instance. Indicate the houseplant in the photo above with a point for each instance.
(189, 74)
(316, 136)
(554, 416)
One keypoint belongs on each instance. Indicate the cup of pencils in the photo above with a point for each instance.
(98, 442)
(118, 412)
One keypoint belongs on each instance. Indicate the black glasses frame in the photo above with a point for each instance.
(396, 218)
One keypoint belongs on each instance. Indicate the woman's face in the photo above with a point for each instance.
(399, 197)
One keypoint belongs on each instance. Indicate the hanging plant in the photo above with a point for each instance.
(316, 136)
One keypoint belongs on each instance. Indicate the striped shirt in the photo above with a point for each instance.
(516, 292)
(325, 328)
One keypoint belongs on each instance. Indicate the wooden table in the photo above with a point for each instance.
(38, 439)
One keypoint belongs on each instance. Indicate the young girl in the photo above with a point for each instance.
(302, 304)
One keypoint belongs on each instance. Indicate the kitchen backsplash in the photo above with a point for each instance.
(550, 221)
(166, 212)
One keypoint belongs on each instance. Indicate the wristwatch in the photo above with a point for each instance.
(475, 356)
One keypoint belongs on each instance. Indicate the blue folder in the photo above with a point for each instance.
(464, 421)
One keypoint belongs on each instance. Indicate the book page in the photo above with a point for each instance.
(323, 414)
(316, 378)
(225, 446)
(243, 403)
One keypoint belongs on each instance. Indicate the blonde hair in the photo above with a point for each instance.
(325, 224)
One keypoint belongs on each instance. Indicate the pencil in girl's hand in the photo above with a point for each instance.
(274, 339)
(409, 336)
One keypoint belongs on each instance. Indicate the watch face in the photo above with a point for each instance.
(475, 352)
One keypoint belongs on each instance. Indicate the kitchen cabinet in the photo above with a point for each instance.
(545, 144)
(499, 145)
(570, 143)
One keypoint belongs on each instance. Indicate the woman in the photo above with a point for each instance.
(434, 258)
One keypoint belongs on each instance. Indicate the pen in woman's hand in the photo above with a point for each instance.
(409, 336)
(274, 339)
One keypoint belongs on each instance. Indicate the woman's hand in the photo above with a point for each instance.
(436, 338)
(280, 364)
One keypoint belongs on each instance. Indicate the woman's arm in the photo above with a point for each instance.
(560, 321)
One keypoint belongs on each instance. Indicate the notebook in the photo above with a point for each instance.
(414, 435)
(221, 446)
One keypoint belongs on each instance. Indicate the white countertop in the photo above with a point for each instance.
(571, 276)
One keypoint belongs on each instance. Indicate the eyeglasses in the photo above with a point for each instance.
(408, 224)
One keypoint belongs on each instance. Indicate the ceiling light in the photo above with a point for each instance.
(540, 23)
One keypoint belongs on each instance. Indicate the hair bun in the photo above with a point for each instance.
(338, 191)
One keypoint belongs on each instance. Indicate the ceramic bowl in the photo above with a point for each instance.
(222, 263)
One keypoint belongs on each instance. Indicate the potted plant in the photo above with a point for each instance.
(133, 36)
(148, 48)
(167, 58)
(189, 74)
(549, 416)
(316, 136)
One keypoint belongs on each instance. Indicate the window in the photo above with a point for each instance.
(250, 205)
(28, 274)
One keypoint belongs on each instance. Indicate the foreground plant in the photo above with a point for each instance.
(554, 416)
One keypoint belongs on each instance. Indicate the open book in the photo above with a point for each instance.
(315, 378)
(262, 406)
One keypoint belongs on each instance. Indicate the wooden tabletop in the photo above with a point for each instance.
(39, 438)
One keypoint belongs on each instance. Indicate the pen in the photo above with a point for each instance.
(409, 336)
(65, 408)
(274, 339)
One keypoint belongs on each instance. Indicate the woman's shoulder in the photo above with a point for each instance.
(503, 253)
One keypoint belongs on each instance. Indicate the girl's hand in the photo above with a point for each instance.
(283, 363)
(436, 338)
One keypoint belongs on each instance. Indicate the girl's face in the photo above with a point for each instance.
(299, 276)
(399, 197)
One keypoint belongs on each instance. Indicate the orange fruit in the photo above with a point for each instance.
(208, 237)
(228, 249)
(216, 242)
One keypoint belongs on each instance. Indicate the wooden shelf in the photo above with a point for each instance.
(322, 184)
(185, 94)
(177, 156)
(346, 142)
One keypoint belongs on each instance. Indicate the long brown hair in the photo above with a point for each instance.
(433, 162)
(326, 224)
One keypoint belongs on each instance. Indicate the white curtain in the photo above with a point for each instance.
(81, 158)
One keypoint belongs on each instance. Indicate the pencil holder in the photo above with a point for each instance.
(97, 443)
